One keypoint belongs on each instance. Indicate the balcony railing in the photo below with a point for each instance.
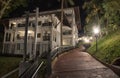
(18, 48)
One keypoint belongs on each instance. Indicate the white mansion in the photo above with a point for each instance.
(48, 30)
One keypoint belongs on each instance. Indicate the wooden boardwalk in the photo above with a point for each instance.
(77, 64)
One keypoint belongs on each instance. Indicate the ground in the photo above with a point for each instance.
(78, 64)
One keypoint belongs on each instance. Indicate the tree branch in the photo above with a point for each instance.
(4, 8)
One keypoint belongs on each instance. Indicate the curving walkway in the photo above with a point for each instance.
(77, 64)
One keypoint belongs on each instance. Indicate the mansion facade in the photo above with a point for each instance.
(48, 31)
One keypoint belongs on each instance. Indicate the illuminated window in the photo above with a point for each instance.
(20, 37)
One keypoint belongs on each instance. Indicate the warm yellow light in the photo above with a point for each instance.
(79, 38)
(96, 30)
(86, 40)
(14, 22)
(64, 43)
(91, 38)
(21, 33)
(30, 32)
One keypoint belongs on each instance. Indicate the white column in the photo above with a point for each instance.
(35, 33)
(4, 41)
(72, 29)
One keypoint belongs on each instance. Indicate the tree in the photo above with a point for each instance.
(93, 9)
(105, 13)
(112, 13)
(9, 5)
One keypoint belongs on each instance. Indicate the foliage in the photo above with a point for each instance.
(108, 47)
(112, 11)
(8, 64)
(9, 5)
(105, 13)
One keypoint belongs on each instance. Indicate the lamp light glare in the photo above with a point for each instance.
(96, 30)
(86, 40)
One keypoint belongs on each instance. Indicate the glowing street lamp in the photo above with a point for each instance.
(96, 31)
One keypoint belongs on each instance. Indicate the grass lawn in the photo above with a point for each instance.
(108, 47)
(8, 64)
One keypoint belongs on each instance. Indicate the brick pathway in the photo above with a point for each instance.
(77, 64)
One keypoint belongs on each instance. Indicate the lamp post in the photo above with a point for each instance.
(96, 31)
(26, 37)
